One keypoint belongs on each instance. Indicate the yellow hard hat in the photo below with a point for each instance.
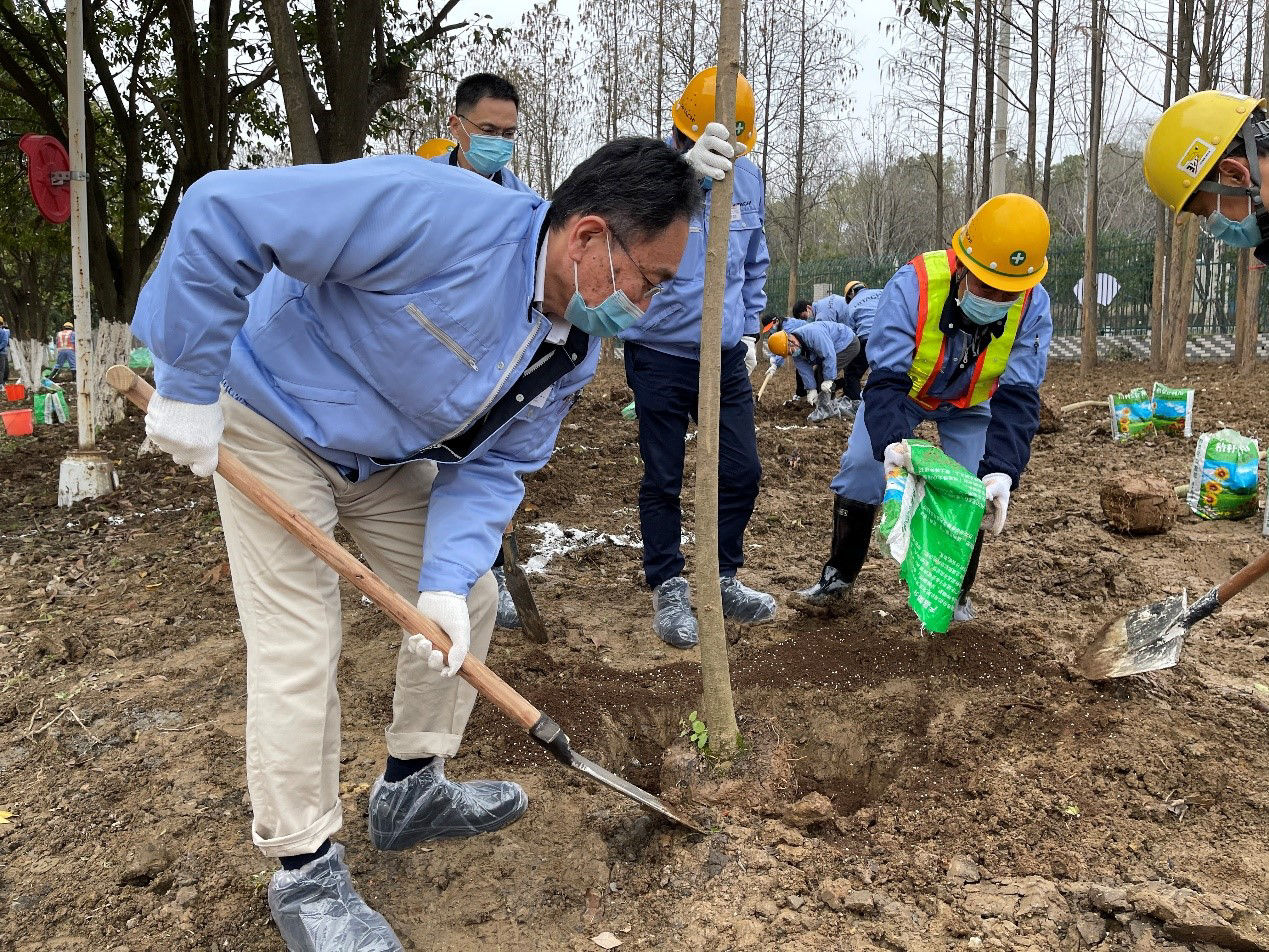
(852, 288)
(434, 147)
(778, 344)
(1189, 139)
(694, 110)
(1005, 243)
(68, 326)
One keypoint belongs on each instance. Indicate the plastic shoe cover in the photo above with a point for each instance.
(844, 408)
(964, 610)
(830, 588)
(426, 806)
(673, 620)
(507, 616)
(744, 604)
(316, 909)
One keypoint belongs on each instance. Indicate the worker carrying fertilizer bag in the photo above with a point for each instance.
(960, 337)
(1209, 155)
(663, 367)
(391, 345)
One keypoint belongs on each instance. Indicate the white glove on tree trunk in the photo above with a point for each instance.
(189, 431)
(997, 486)
(751, 355)
(449, 611)
(711, 154)
(898, 454)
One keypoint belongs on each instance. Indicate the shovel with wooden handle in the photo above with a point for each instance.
(1151, 638)
(540, 727)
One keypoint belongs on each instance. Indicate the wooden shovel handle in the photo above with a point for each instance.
(236, 473)
(1244, 577)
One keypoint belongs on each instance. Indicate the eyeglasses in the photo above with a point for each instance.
(653, 287)
(486, 129)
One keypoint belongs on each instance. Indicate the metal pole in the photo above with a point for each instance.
(79, 223)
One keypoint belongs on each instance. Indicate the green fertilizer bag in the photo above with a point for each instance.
(1173, 410)
(1131, 415)
(1225, 477)
(51, 407)
(929, 523)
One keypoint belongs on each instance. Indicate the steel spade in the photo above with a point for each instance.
(1151, 638)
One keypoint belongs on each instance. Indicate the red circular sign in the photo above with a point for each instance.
(44, 156)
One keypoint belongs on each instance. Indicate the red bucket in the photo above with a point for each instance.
(18, 422)
(14, 391)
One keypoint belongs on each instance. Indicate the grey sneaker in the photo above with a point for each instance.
(507, 616)
(964, 610)
(830, 591)
(427, 806)
(672, 617)
(744, 604)
(316, 909)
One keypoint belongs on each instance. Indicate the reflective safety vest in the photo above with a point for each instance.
(934, 282)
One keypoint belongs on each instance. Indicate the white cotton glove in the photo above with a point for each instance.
(771, 372)
(997, 486)
(812, 397)
(827, 387)
(751, 355)
(711, 156)
(449, 611)
(189, 431)
(898, 454)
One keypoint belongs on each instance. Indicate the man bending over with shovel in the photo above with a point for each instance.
(960, 337)
(391, 345)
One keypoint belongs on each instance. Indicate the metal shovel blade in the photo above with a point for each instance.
(551, 736)
(1149, 639)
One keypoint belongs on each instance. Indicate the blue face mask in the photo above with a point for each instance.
(1237, 234)
(610, 317)
(488, 154)
(982, 311)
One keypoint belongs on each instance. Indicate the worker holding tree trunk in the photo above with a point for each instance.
(662, 355)
(391, 345)
(1209, 155)
(484, 123)
(961, 338)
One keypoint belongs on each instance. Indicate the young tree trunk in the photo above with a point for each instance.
(1033, 97)
(989, 102)
(1048, 135)
(799, 165)
(1088, 341)
(1185, 235)
(293, 78)
(940, 168)
(1246, 320)
(1159, 288)
(1000, 130)
(971, 137)
(717, 703)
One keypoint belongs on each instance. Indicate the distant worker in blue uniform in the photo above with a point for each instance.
(662, 354)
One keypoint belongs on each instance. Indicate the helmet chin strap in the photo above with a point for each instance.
(1251, 133)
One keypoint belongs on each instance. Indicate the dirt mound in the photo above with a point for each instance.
(898, 791)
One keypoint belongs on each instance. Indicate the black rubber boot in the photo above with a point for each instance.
(852, 534)
(964, 606)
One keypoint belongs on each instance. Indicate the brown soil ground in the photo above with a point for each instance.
(963, 791)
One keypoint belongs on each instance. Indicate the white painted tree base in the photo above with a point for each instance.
(85, 476)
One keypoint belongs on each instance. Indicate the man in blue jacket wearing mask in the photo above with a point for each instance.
(484, 123)
(391, 345)
(662, 355)
(960, 337)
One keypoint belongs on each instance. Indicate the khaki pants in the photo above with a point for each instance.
(288, 602)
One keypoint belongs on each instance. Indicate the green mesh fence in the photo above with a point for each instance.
(1130, 261)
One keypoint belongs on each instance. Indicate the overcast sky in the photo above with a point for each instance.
(862, 19)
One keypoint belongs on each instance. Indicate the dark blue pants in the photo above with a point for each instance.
(665, 391)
